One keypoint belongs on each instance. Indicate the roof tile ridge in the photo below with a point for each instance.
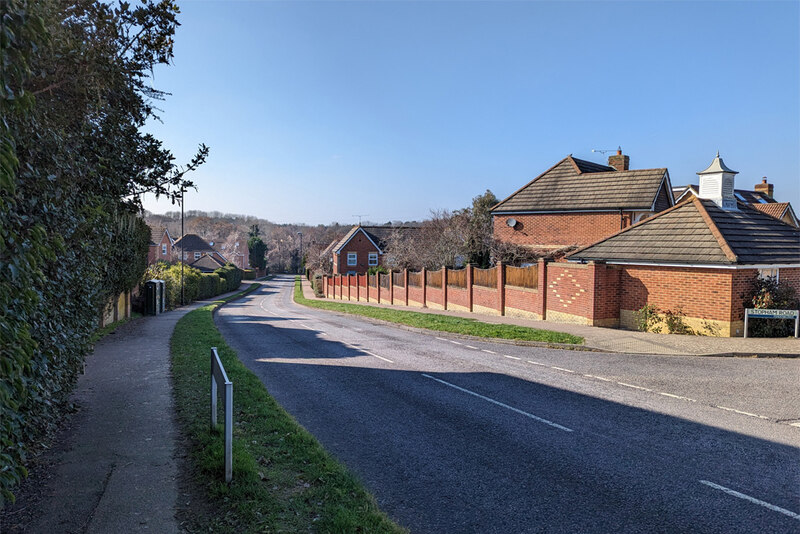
(631, 227)
(509, 197)
(574, 164)
(723, 243)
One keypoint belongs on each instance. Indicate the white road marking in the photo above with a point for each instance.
(498, 403)
(675, 396)
(599, 378)
(454, 342)
(632, 386)
(489, 351)
(741, 412)
(529, 361)
(442, 339)
(561, 369)
(751, 499)
(471, 347)
(306, 326)
(511, 357)
(379, 357)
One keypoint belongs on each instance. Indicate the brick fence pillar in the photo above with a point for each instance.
(469, 286)
(501, 288)
(391, 288)
(325, 284)
(378, 283)
(405, 284)
(444, 287)
(541, 288)
(424, 288)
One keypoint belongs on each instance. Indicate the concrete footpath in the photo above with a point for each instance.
(113, 468)
(629, 341)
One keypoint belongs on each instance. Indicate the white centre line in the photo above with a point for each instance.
(489, 351)
(741, 412)
(454, 342)
(752, 499)
(471, 347)
(675, 396)
(511, 357)
(562, 369)
(599, 378)
(632, 386)
(442, 339)
(376, 356)
(498, 403)
(529, 361)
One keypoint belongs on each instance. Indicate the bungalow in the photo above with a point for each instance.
(208, 263)
(577, 202)
(697, 258)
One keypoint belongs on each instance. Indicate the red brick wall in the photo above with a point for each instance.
(570, 290)
(702, 293)
(606, 294)
(558, 229)
(522, 299)
(434, 295)
(415, 294)
(484, 297)
(457, 296)
(362, 246)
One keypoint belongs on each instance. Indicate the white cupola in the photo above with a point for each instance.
(716, 183)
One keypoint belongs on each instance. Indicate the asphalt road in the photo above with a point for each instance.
(456, 435)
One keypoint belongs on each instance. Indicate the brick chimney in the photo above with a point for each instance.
(765, 187)
(619, 161)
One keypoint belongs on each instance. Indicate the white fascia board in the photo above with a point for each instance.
(365, 235)
(698, 265)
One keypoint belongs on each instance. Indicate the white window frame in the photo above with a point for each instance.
(372, 258)
(352, 258)
(197, 255)
(163, 249)
(774, 273)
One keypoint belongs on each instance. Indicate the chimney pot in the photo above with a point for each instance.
(765, 187)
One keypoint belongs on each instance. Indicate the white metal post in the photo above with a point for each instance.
(218, 374)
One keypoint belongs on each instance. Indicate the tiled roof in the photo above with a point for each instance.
(773, 209)
(156, 233)
(699, 232)
(207, 263)
(574, 184)
(378, 234)
(193, 242)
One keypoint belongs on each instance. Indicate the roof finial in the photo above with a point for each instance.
(717, 152)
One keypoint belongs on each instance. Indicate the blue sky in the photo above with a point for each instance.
(317, 111)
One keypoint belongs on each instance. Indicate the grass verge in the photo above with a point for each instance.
(441, 323)
(283, 480)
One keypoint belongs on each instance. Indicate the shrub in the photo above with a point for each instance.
(769, 293)
(647, 319)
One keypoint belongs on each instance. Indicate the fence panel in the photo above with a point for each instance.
(485, 277)
(457, 278)
(434, 278)
(415, 279)
(397, 279)
(383, 280)
(523, 276)
(373, 282)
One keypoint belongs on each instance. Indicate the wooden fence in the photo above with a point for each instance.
(434, 278)
(527, 277)
(457, 278)
(415, 279)
(397, 279)
(485, 277)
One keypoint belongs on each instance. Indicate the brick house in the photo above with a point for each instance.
(761, 198)
(577, 202)
(208, 263)
(160, 246)
(236, 252)
(194, 247)
(361, 248)
(698, 257)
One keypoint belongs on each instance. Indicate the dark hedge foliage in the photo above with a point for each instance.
(74, 94)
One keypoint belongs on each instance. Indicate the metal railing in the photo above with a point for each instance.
(220, 377)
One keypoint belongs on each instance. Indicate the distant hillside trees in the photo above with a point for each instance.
(257, 249)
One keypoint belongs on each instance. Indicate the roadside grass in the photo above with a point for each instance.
(441, 323)
(283, 480)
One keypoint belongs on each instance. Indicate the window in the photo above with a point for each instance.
(197, 255)
(164, 249)
(769, 273)
(373, 258)
(352, 258)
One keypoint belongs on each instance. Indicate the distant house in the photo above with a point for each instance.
(160, 245)
(208, 263)
(236, 252)
(361, 248)
(577, 202)
(760, 198)
(193, 247)
(696, 259)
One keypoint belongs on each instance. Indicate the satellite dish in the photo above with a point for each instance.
(511, 222)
